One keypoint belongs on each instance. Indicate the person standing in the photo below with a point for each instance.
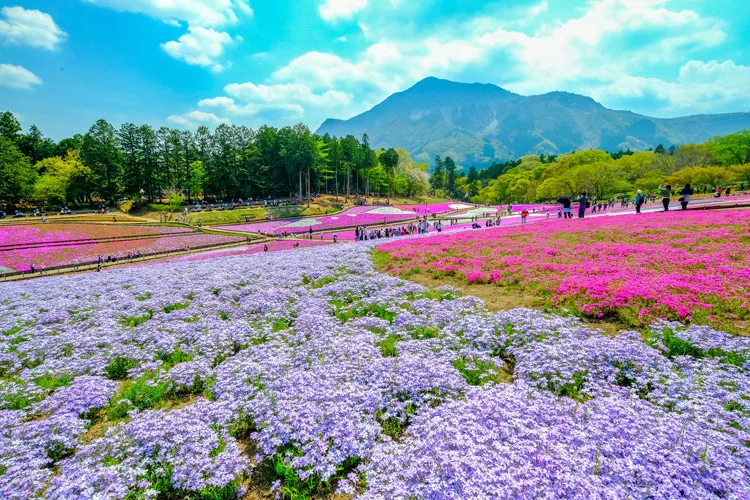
(638, 201)
(524, 216)
(666, 193)
(583, 204)
(565, 202)
(685, 195)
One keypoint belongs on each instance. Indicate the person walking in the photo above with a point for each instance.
(685, 195)
(524, 216)
(566, 203)
(666, 193)
(583, 204)
(638, 201)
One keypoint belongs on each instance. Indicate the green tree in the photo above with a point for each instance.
(35, 145)
(350, 153)
(17, 176)
(196, 179)
(74, 143)
(438, 176)
(450, 175)
(60, 179)
(732, 149)
(389, 160)
(9, 126)
(100, 152)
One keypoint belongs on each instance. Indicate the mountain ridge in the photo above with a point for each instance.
(478, 123)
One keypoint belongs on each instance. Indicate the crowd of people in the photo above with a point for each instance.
(422, 226)
(665, 194)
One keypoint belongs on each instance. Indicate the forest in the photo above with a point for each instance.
(721, 162)
(139, 163)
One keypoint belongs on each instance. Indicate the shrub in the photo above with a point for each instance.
(117, 369)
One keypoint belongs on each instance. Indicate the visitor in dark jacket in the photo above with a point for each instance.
(685, 195)
(665, 193)
(639, 199)
(583, 203)
(566, 203)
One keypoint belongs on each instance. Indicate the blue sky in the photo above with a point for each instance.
(184, 63)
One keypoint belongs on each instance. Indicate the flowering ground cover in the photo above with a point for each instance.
(687, 266)
(302, 373)
(51, 246)
(273, 246)
(356, 216)
(45, 234)
(437, 208)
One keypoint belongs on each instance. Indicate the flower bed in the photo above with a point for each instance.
(273, 246)
(41, 234)
(356, 216)
(61, 253)
(333, 378)
(680, 265)
(437, 208)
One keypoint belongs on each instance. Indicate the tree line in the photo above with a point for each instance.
(141, 163)
(720, 162)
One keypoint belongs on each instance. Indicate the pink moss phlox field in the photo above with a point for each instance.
(352, 217)
(64, 244)
(59, 233)
(684, 266)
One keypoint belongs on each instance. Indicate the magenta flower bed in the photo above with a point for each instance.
(55, 233)
(356, 216)
(681, 265)
(68, 254)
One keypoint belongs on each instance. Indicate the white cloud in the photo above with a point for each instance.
(333, 10)
(17, 77)
(700, 87)
(291, 97)
(342, 39)
(537, 9)
(194, 119)
(243, 7)
(600, 50)
(197, 12)
(279, 104)
(20, 26)
(200, 47)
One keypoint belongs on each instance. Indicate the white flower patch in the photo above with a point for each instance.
(389, 211)
(478, 212)
(352, 215)
(304, 223)
(458, 206)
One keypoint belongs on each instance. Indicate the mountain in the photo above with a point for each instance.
(478, 123)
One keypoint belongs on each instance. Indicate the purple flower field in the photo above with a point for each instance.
(202, 380)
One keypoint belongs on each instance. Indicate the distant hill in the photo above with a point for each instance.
(478, 123)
